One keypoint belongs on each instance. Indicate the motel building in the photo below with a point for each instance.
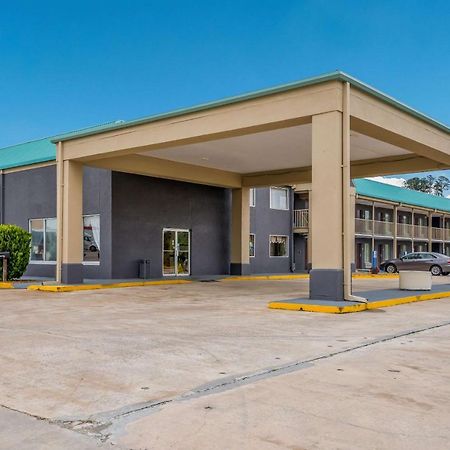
(259, 183)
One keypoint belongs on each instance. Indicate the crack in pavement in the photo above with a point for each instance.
(230, 383)
(96, 424)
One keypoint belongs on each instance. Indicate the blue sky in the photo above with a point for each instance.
(68, 65)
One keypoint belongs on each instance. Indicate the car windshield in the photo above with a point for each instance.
(440, 255)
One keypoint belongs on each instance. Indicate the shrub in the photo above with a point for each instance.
(16, 241)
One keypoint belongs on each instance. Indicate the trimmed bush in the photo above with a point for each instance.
(17, 242)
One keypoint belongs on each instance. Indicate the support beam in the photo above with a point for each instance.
(163, 168)
(240, 232)
(327, 239)
(70, 195)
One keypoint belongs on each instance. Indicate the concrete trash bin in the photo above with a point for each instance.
(415, 280)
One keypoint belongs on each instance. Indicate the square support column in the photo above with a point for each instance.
(240, 232)
(327, 219)
(70, 222)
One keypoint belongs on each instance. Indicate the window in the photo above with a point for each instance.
(278, 246)
(91, 238)
(252, 197)
(43, 240)
(279, 198)
(252, 245)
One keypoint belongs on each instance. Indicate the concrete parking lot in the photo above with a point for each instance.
(208, 365)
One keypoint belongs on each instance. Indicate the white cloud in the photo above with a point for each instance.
(393, 181)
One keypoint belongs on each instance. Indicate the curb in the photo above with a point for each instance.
(6, 285)
(89, 287)
(331, 309)
(303, 276)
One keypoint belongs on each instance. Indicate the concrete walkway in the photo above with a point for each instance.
(158, 366)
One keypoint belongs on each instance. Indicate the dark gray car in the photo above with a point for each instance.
(436, 263)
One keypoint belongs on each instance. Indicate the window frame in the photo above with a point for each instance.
(91, 263)
(252, 200)
(44, 219)
(254, 245)
(43, 261)
(279, 188)
(287, 246)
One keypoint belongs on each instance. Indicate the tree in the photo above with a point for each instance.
(16, 241)
(428, 184)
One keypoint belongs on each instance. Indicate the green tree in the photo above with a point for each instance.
(428, 184)
(16, 241)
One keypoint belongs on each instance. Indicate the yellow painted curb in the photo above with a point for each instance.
(89, 287)
(331, 309)
(267, 277)
(302, 276)
(6, 285)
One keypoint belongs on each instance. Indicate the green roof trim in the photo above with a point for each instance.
(337, 75)
(34, 152)
(37, 151)
(383, 191)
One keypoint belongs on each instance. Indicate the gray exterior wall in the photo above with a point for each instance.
(143, 206)
(31, 194)
(265, 221)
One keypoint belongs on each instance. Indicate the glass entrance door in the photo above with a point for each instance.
(176, 252)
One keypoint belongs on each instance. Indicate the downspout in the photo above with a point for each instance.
(346, 199)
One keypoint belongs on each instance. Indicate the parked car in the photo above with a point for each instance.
(436, 263)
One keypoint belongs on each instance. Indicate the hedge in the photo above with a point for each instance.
(17, 242)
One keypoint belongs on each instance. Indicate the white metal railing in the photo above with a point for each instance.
(381, 228)
(301, 218)
(363, 226)
(437, 233)
(420, 232)
(405, 230)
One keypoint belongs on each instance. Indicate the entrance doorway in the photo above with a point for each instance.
(176, 252)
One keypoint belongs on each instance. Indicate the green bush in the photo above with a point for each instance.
(16, 241)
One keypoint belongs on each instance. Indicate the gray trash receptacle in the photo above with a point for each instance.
(144, 269)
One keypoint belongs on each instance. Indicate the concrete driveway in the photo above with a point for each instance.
(208, 365)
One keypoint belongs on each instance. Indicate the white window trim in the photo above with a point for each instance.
(34, 261)
(92, 263)
(252, 197)
(254, 246)
(287, 245)
(287, 195)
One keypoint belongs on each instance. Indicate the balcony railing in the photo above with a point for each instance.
(381, 228)
(363, 226)
(420, 232)
(405, 230)
(301, 218)
(369, 227)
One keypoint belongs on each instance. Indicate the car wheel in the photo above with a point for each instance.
(390, 268)
(435, 270)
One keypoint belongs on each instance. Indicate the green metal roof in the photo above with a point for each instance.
(38, 151)
(337, 75)
(383, 191)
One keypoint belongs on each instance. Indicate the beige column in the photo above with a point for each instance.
(352, 225)
(331, 238)
(70, 221)
(240, 231)
(430, 232)
(395, 231)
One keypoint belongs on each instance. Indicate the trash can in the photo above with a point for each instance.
(144, 269)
